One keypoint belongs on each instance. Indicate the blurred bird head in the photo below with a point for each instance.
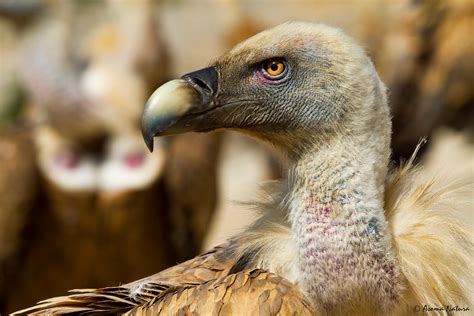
(294, 84)
(122, 164)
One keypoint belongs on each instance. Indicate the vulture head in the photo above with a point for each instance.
(294, 85)
(312, 92)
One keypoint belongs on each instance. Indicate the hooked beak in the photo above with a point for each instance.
(175, 107)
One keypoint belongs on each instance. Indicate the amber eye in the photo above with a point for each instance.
(274, 69)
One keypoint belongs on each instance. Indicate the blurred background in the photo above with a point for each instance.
(82, 202)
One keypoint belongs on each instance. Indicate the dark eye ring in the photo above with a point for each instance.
(274, 69)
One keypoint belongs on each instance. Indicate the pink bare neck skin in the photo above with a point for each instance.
(337, 218)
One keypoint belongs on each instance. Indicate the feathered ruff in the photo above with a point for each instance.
(429, 218)
(426, 215)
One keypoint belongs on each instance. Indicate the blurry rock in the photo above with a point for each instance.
(451, 155)
(190, 180)
(243, 166)
(59, 247)
(18, 183)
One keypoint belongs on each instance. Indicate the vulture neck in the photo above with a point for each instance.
(337, 218)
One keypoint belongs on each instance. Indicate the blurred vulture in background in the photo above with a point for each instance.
(424, 56)
(105, 211)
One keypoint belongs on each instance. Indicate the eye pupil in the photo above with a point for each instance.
(274, 69)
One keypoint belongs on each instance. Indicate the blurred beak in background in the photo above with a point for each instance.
(178, 105)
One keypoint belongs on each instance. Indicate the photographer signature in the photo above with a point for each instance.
(446, 308)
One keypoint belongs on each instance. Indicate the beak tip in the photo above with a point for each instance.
(148, 138)
(149, 144)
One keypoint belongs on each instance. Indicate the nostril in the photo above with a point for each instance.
(204, 80)
(202, 84)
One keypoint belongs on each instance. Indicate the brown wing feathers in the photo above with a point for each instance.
(204, 285)
(211, 265)
(270, 295)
